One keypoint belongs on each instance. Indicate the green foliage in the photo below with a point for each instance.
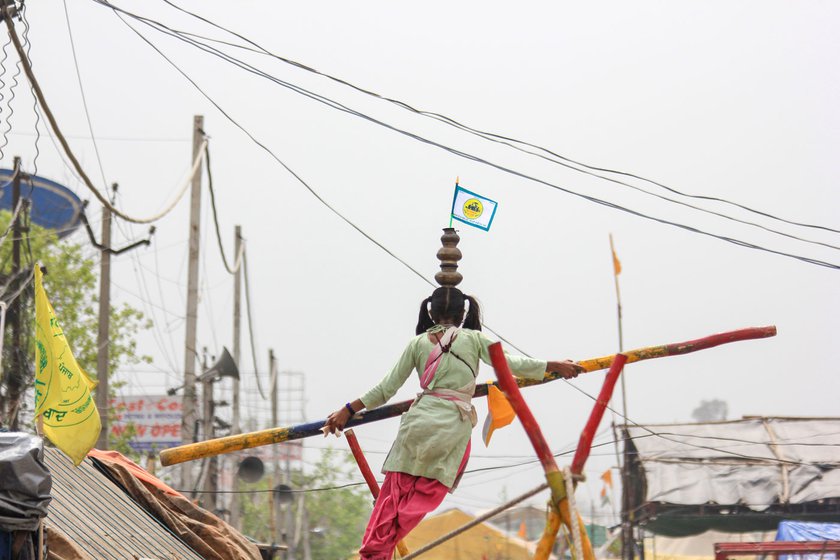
(255, 501)
(339, 515)
(335, 516)
(71, 285)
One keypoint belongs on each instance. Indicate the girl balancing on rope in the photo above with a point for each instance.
(433, 443)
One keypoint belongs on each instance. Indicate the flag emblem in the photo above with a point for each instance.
(472, 208)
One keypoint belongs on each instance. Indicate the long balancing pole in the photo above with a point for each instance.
(238, 442)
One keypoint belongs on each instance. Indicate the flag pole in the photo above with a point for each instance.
(627, 539)
(617, 271)
(451, 214)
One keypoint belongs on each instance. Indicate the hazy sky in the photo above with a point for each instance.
(731, 100)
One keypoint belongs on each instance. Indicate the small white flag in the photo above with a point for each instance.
(473, 209)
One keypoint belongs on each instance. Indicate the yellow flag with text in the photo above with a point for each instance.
(62, 389)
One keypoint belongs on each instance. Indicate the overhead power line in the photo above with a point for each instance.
(491, 136)
(251, 321)
(338, 106)
(84, 97)
(245, 261)
(39, 95)
(238, 262)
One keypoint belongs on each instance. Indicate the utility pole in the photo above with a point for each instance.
(103, 340)
(188, 417)
(275, 467)
(15, 376)
(236, 427)
(289, 536)
(208, 431)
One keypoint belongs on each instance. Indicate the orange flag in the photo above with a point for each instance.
(616, 263)
(499, 413)
(607, 477)
(523, 530)
(605, 498)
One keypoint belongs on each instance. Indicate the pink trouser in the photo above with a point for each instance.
(404, 500)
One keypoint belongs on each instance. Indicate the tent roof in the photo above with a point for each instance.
(756, 464)
(103, 521)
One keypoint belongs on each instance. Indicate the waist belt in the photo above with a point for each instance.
(461, 398)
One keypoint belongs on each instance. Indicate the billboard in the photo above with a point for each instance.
(155, 419)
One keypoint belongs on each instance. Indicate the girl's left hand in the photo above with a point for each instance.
(567, 368)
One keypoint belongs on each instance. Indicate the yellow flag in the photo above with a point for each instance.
(499, 413)
(62, 388)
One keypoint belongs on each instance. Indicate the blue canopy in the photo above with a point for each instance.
(53, 206)
(808, 531)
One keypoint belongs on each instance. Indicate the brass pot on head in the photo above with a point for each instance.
(449, 255)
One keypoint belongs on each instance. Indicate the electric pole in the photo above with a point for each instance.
(209, 432)
(236, 427)
(275, 467)
(189, 416)
(103, 340)
(15, 376)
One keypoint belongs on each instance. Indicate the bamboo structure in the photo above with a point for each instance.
(239, 442)
(560, 510)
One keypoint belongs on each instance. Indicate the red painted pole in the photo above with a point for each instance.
(356, 449)
(588, 433)
(508, 384)
(367, 474)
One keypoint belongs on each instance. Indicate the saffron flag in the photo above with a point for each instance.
(607, 477)
(499, 413)
(523, 530)
(605, 498)
(473, 209)
(62, 388)
(616, 262)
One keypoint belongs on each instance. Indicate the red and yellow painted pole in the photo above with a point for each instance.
(367, 474)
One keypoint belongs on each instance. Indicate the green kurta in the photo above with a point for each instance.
(433, 434)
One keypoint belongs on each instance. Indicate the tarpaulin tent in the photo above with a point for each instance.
(735, 476)
(25, 486)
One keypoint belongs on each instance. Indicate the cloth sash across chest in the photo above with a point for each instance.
(462, 397)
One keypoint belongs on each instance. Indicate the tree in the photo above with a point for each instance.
(710, 411)
(336, 515)
(70, 283)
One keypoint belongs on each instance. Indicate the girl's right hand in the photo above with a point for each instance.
(567, 369)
